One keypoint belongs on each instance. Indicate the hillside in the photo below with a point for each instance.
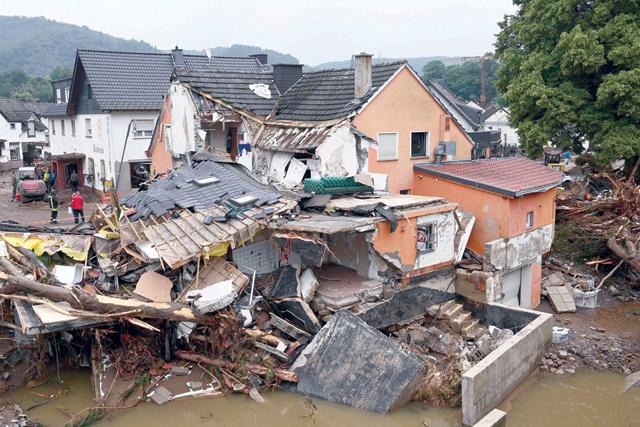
(38, 45)
(274, 57)
(416, 63)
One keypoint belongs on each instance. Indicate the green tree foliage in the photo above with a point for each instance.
(463, 79)
(571, 74)
(17, 84)
(63, 72)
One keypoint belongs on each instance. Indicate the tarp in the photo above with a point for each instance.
(75, 247)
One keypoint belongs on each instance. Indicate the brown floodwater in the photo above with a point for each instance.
(585, 399)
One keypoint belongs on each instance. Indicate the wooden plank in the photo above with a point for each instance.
(272, 350)
(288, 328)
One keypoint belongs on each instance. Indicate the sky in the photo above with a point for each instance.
(313, 31)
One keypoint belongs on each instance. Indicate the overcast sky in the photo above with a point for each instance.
(313, 31)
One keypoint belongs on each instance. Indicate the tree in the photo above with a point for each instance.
(463, 79)
(61, 72)
(571, 75)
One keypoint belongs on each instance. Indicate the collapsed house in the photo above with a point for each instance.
(344, 122)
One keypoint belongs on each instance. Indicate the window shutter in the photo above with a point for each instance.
(387, 146)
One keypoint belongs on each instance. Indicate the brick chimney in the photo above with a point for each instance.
(178, 58)
(261, 57)
(362, 69)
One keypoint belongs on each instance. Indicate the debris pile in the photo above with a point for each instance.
(209, 282)
(610, 216)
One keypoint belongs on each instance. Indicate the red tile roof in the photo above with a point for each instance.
(510, 176)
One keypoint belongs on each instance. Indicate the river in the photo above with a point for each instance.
(585, 399)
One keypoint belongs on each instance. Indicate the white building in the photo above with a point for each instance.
(496, 117)
(23, 136)
(104, 116)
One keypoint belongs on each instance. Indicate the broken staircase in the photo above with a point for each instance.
(459, 320)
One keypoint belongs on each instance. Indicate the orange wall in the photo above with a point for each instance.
(543, 206)
(496, 216)
(161, 160)
(491, 210)
(403, 106)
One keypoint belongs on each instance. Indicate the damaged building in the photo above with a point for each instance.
(513, 201)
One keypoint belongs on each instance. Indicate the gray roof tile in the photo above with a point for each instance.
(329, 94)
(138, 81)
(233, 87)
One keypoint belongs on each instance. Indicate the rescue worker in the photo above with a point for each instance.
(52, 180)
(14, 186)
(74, 180)
(77, 207)
(45, 178)
(53, 205)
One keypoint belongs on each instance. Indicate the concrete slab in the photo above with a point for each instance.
(351, 363)
(561, 299)
(495, 418)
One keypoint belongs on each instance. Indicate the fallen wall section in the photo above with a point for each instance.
(488, 383)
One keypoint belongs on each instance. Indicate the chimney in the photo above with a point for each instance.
(261, 57)
(362, 70)
(285, 75)
(178, 58)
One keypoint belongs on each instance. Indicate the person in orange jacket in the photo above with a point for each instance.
(77, 207)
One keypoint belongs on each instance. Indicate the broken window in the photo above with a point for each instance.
(419, 142)
(529, 219)
(140, 173)
(388, 146)
(426, 239)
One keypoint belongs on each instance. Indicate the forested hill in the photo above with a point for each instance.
(38, 45)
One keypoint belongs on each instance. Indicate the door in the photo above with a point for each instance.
(511, 282)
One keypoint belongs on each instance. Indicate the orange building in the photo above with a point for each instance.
(513, 200)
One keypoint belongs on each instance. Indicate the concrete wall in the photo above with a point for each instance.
(405, 106)
(489, 382)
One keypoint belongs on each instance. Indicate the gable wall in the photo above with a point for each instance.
(403, 106)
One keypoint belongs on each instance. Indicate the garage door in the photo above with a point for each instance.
(511, 282)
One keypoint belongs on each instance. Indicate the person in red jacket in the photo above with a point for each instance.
(77, 206)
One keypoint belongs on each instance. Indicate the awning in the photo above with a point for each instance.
(68, 156)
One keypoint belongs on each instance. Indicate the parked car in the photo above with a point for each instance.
(29, 187)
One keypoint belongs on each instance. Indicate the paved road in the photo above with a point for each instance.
(37, 213)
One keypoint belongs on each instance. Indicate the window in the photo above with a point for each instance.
(388, 146)
(73, 127)
(62, 127)
(419, 144)
(53, 127)
(426, 238)
(31, 129)
(139, 173)
(89, 92)
(447, 123)
(12, 125)
(58, 96)
(87, 128)
(143, 129)
(530, 219)
(168, 143)
(91, 171)
(66, 94)
(14, 154)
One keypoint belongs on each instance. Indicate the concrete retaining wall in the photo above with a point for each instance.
(488, 383)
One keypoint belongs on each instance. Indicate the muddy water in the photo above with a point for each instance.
(585, 399)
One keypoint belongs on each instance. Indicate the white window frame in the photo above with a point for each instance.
(88, 131)
(426, 149)
(378, 154)
(12, 126)
(529, 221)
(31, 129)
(66, 94)
(434, 237)
(143, 133)
(58, 96)
(14, 153)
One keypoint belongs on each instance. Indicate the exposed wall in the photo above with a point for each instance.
(491, 210)
(543, 206)
(399, 247)
(405, 106)
(161, 160)
(491, 380)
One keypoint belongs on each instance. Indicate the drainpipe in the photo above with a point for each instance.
(124, 149)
